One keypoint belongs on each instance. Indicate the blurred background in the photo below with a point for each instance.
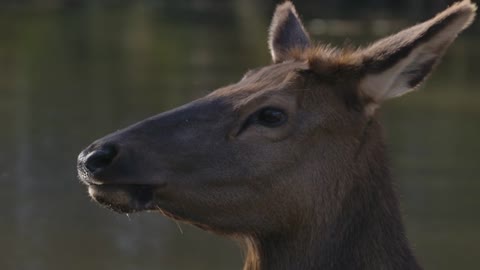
(72, 71)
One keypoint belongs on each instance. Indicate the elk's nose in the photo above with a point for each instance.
(100, 158)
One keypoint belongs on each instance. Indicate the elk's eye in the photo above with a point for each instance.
(271, 117)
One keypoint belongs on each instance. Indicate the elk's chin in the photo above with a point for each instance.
(124, 198)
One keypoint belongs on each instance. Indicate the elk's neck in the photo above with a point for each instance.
(365, 241)
(362, 231)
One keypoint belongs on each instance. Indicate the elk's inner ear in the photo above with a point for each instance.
(397, 64)
(286, 33)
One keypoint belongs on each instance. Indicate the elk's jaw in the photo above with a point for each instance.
(124, 198)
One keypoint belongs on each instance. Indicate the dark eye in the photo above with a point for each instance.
(271, 117)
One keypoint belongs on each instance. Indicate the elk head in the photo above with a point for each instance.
(284, 144)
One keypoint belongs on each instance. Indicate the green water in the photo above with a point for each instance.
(71, 75)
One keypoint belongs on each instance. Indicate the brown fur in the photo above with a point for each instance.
(314, 191)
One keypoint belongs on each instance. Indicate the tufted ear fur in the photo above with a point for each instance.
(397, 64)
(286, 32)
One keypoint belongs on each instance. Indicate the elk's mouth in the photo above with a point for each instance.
(124, 198)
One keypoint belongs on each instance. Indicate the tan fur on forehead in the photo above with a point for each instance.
(328, 60)
(262, 80)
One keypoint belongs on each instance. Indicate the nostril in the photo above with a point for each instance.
(100, 158)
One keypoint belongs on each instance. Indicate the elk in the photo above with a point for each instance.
(291, 159)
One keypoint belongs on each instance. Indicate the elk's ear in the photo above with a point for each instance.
(397, 64)
(286, 32)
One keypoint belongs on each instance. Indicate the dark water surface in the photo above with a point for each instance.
(69, 76)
